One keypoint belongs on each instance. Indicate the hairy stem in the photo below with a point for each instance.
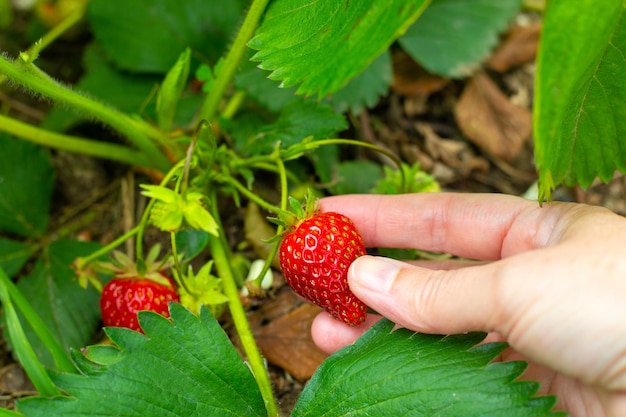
(316, 144)
(86, 260)
(249, 194)
(54, 33)
(222, 263)
(139, 133)
(114, 152)
(233, 58)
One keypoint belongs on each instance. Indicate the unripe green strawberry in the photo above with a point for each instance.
(315, 255)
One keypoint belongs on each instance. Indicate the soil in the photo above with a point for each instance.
(473, 135)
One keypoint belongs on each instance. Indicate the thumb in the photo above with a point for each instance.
(425, 300)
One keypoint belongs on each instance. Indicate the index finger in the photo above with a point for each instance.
(477, 226)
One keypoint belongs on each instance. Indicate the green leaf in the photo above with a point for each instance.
(127, 92)
(23, 349)
(186, 367)
(298, 120)
(580, 97)
(197, 216)
(191, 242)
(26, 181)
(263, 90)
(13, 255)
(204, 289)
(364, 90)
(356, 177)
(171, 90)
(325, 159)
(323, 44)
(148, 36)
(70, 312)
(417, 181)
(452, 37)
(399, 373)
(161, 193)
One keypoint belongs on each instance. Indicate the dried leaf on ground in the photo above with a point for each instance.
(487, 118)
(410, 79)
(519, 47)
(454, 158)
(286, 341)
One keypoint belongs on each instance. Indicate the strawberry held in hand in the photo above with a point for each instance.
(130, 292)
(315, 255)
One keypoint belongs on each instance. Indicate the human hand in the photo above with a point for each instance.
(550, 281)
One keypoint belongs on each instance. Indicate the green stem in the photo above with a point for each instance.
(138, 132)
(179, 275)
(316, 144)
(249, 194)
(233, 105)
(86, 260)
(73, 144)
(54, 33)
(222, 263)
(233, 58)
(284, 191)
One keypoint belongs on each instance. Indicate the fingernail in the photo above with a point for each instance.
(374, 273)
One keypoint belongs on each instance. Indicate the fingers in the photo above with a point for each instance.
(431, 301)
(411, 296)
(329, 334)
(445, 264)
(477, 226)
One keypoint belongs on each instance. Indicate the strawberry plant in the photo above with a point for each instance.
(188, 95)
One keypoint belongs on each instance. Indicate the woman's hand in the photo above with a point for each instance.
(551, 281)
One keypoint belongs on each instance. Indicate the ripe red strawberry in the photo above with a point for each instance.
(123, 297)
(314, 257)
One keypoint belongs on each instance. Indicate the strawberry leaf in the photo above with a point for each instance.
(148, 36)
(183, 367)
(452, 37)
(365, 89)
(388, 372)
(13, 255)
(26, 180)
(302, 43)
(70, 312)
(297, 121)
(355, 177)
(579, 112)
(263, 90)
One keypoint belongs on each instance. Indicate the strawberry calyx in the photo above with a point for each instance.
(299, 212)
(150, 268)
